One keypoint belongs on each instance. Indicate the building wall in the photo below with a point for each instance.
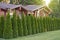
(37, 13)
(19, 11)
(23, 11)
(44, 13)
(1, 12)
(41, 13)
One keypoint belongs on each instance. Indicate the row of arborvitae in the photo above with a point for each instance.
(12, 27)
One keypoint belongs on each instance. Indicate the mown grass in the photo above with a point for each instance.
(53, 35)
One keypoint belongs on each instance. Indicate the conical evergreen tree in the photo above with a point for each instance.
(39, 24)
(1, 26)
(58, 24)
(44, 22)
(36, 25)
(20, 27)
(54, 23)
(50, 24)
(25, 30)
(29, 25)
(8, 32)
(14, 25)
(47, 23)
(33, 24)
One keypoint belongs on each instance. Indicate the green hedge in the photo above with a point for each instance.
(8, 32)
(1, 26)
(12, 27)
(20, 27)
(25, 30)
(33, 24)
(28, 21)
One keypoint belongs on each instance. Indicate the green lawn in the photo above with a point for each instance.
(54, 35)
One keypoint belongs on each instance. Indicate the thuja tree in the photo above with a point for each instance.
(14, 25)
(45, 24)
(20, 27)
(1, 26)
(50, 24)
(8, 32)
(33, 24)
(39, 24)
(58, 24)
(25, 31)
(29, 25)
(54, 24)
(52, 21)
(36, 25)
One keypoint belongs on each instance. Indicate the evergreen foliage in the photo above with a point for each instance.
(14, 25)
(36, 25)
(20, 27)
(29, 26)
(25, 30)
(1, 26)
(8, 32)
(33, 24)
